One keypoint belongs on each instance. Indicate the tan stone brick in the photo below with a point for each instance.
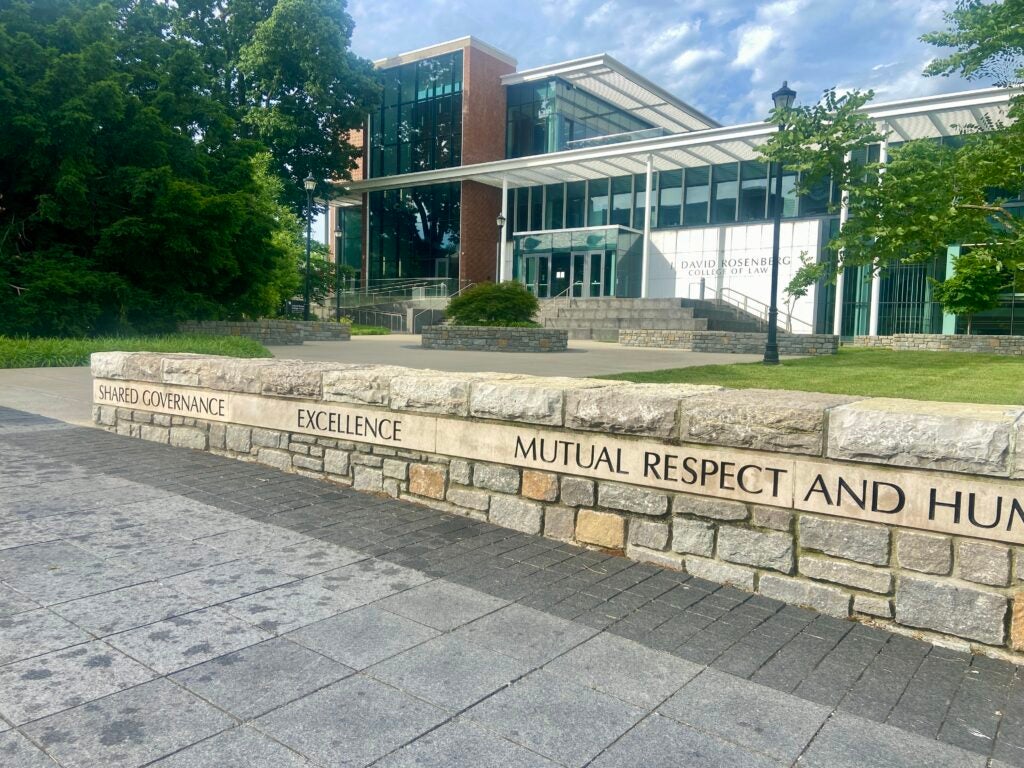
(601, 528)
(1017, 623)
(427, 480)
(542, 486)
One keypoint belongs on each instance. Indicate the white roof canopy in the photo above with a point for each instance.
(621, 87)
(927, 117)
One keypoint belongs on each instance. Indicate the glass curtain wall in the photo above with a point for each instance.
(349, 239)
(414, 233)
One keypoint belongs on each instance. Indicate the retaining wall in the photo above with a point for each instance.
(738, 342)
(494, 339)
(901, 512)
(937, 342)
(272, 332)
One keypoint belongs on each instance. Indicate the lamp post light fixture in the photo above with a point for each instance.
(501, 236)
(310, 184)
(783, 98)
(338, 232)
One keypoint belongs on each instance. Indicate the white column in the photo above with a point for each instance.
(844, 215)
(647, 227)
(503, 245)
(876, 277)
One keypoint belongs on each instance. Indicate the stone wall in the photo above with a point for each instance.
(494, 339)
(905, 513)
(737, 342)
(937, 342)
(272, 332)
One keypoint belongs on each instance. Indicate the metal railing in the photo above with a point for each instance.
(416, 315)
(393, 321)
(748, 304)
(388, 291)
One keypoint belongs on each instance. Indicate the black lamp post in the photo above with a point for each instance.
(783, 99)
(310, 184)
(338, 242)
(501, 234)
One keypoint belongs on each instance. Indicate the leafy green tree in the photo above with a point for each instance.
(974, 287)
(988, 38)
(507, 303)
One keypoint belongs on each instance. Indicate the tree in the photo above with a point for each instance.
(973, 287)
(138, 186)
(988, 38)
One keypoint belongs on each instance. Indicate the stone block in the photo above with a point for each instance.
(761, 549)
(267, 438)
(828, 600)
(217, 436)
(542, 486)
(224, 374)
(394, 468)
(292, 378)
(156, 434)
(460, 472)
(427, 480)
(336, 462)
(958, 437)
(105, 415)
(559, 523)
(952, 608)
(392, 487)
(578, 492)
(447, 394)
(925, 552)
(847, 574)
(649, 534)
(188, 437)
(983, 562)
(863, 542)
(762, 419)
(311, 463)
(369, 479)
(360, 385)
(603, 529)
(719, 572)
(517, 514)
(772, 518)
(632, 409)
(238, 439)
(655, 557)
(273, 457)
(530, 400)
(693, 537)
(630, 498)
(464, 497)
(495, 477)
(705, 506)
(873, 606)
(1017, 623)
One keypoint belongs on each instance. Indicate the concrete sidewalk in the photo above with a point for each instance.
(66, 393)
(165, 607)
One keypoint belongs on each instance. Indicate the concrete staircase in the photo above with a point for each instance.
(601, 319)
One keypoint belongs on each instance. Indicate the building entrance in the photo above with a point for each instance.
(550, 275)
(583, 264)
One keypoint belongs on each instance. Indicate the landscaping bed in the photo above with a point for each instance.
(63, 353)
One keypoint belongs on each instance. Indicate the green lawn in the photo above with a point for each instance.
(949, 376)
(60, 353)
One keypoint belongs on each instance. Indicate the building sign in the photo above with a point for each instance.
(944, 502)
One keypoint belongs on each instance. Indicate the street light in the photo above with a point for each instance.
(310, 184)
(783, 99)
(501, 236)
(338, 245)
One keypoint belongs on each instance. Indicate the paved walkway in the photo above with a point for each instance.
(172, 608)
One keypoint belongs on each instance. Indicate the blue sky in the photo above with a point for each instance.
(724, 57)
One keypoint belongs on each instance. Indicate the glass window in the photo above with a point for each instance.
(753, 190)
(815, 202)
(670, 198)
(522, 210)
(695, 209)
(536, 208)
(790, 204)
(597, 203)
(554, 199)
(575, 204)
(622, 200)
(640, 199)
(724, 180)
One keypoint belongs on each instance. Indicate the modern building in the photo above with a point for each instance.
(475, 171)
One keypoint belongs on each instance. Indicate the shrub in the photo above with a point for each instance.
(508, 304)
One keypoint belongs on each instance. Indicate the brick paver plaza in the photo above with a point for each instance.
(165, 607)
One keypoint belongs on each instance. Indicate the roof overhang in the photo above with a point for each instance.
(928, 117)
(609, 79)
(441, 48)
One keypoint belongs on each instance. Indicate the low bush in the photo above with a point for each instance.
(503, 304)
(63, 353)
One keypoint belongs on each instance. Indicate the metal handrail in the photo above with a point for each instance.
(394, 321)
(750, 305)
(416, 315)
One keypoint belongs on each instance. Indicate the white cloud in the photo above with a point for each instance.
(753, 44)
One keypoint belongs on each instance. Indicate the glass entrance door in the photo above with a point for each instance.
(560, 274)
(587, 275)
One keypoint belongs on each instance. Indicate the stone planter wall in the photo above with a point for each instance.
(905, 513)
(494, 339)
(937, 342)
(747, 343)
(272, 332)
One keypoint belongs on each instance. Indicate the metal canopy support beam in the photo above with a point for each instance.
(876, 276)
(647, 227)
(503, 249)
